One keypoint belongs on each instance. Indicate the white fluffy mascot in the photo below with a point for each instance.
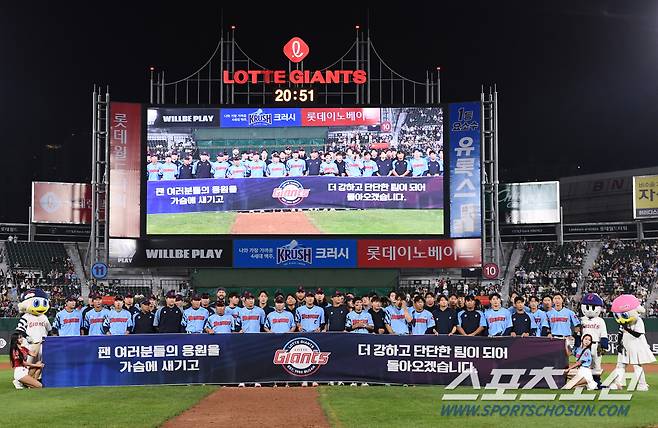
(34, 324)
(592, 324)
(634, 348)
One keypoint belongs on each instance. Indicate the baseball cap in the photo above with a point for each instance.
(248, 295)
(145, 302)
(338, 293)
(152, 297)
(319, 291)
(196, 297)
(129, 296)
(118, 297)
(220, 302)
(170, 294)
(179, 298)
(301, 149)
(205, 296)
(300, 289)
(204, 153)
(310, 293)
(71, 298)
(221, 289)
(237, 158)
(279, 299)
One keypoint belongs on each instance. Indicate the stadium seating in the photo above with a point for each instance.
(34, 255)
(549, 267)
(624, 267)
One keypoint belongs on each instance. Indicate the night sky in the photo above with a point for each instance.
(577, 80)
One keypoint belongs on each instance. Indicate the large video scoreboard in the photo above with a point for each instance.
(295, 187)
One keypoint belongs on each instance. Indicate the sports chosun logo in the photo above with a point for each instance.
(301, 357)
(290, 192)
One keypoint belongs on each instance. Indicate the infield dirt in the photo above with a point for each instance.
(242, 407)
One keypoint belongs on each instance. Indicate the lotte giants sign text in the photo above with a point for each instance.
(296, 50)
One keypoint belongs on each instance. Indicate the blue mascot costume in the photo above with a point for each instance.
(591, 305)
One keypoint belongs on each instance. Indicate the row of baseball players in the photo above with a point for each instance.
(329, 164)
(425, 316)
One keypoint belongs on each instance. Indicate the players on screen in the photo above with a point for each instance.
(289, 163)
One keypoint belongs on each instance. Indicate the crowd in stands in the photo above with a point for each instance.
(111, 288)
(624, 267)
(8, 306)
(548, 267)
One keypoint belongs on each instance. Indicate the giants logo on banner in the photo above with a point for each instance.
(465, 205)
(125, 159)
(61, 203)
(424, 253)
(301, 357)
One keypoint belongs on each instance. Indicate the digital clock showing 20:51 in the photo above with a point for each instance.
(288, 95)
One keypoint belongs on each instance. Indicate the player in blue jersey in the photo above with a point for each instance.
(250, 318)
(422, 320)
(118, 321)
(68, 321)
(309, 318)
(296, 166)
(353, 165)
(370, 167)
(328, 167)
(168, 170)
(194, 317)
(220, 322)
(153, 169)
(358, 320)
(233, 309)
(418, 165)
(257, 167)
(499, 321)
(397, 316)
(221, 166)
(540, 316)
(237, 169)
(95, 317)
(280, 320)
(276, 168)
(561, 319)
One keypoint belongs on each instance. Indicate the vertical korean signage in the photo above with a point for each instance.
(645, 196)
(465, 202)
(125, 166)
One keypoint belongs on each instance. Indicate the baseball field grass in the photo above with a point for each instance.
(393, 222)
(342, 222)
(344, 406)
(138, 406)
(190, 223)
(422, 406)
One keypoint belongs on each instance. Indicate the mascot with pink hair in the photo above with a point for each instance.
(633, 346)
